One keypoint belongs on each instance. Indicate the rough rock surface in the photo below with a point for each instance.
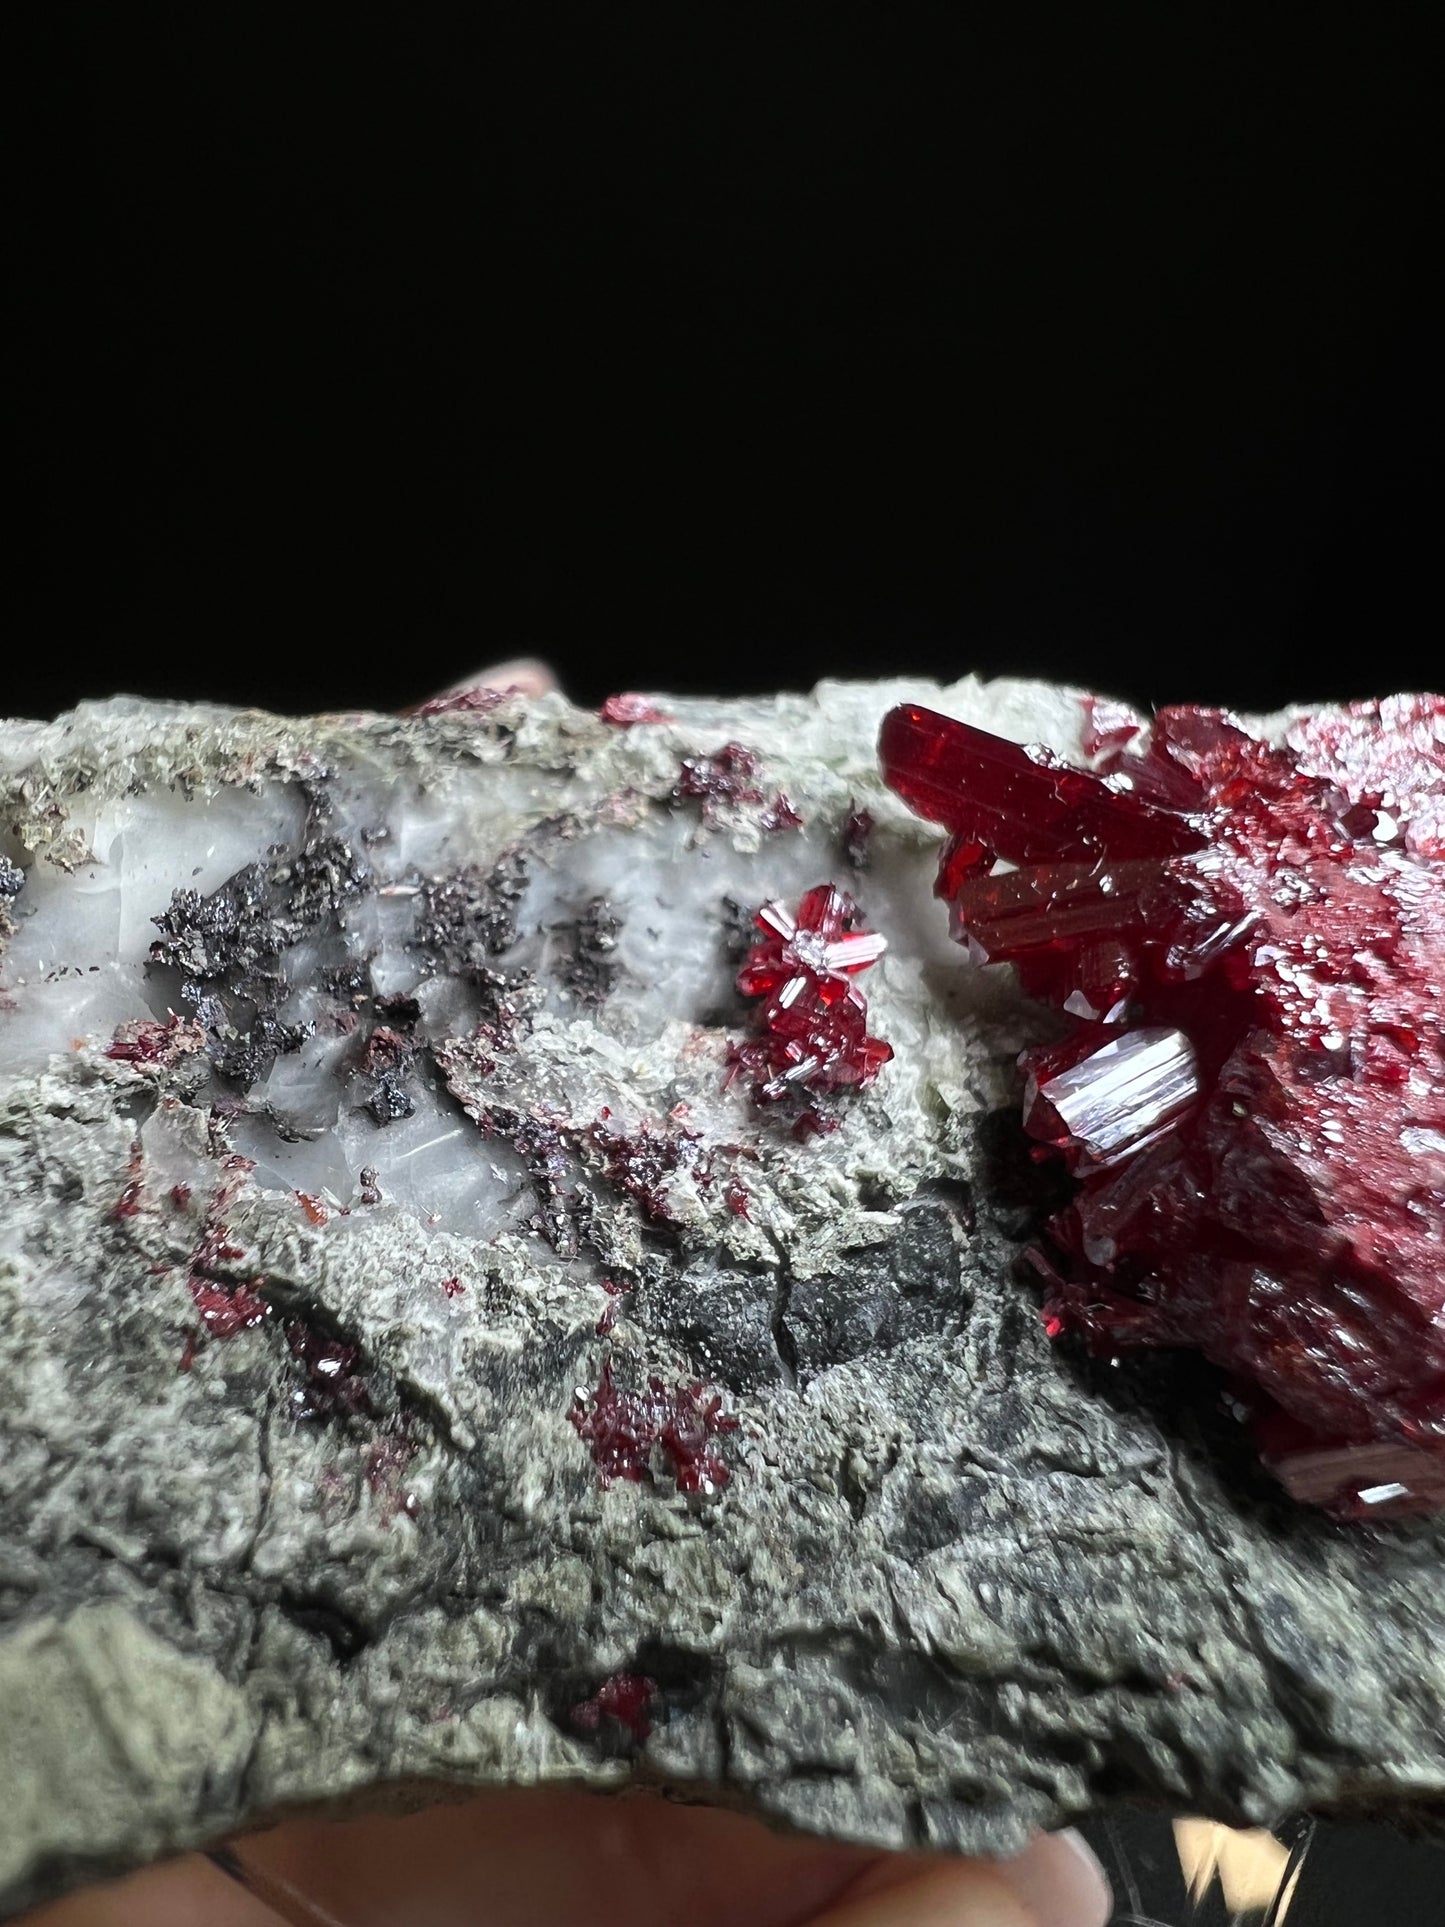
(324, 1221)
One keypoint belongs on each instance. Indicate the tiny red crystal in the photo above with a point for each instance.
(332, 1384)
(780, 815)
(644, 1162)
(145, 1041)
(127, 1205)
(627, 1432)
(626, 1698)
(813, 1023)
(478, 700)
(227, 1308)
(1250, 938)
(627, 709)
(857, 836)
(387, 1461)
(728, 776)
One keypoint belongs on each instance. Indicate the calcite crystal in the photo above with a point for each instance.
(1250, 936)
(422, 1366)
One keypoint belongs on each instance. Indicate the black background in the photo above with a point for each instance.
(721, 348)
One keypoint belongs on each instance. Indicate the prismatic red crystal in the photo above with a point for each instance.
(626, 710)
(627, 1431)
(813, 1023)
(145, 1041)
(1250, 939)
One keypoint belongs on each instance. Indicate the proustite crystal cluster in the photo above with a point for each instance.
(813, 1024)
(1250, 939)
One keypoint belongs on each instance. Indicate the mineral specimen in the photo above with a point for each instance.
(1250, 936)
(308, 1485)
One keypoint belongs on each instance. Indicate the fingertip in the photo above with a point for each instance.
(529, 674)
(1059, 1879)
(1055, 1882)
(941, 1892)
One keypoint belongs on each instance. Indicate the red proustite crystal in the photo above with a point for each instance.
(729, 775)
(643, 1162)
(814, 1021)
(127, 1205)
(385, 1470)
(144, 1040)
(624, 1430)
(628, 708)
(227, 1308)
(626, 1698)
(1251, 939)
(332, 1382)
(478, 700)
(857, 835)
(780, 815)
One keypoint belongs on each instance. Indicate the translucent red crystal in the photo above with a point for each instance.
(1250, 939)
(227, 1308)
(728, 776)
(387, 1462)
(627, 709)
(644, 1162)
(857, 835)
(813, 1023)
(478, 700)
(145, 1041)
(332, 1384)
(780, 815)
(630, 1433)
(626, 1698)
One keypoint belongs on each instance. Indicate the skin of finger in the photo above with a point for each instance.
(938, 1893)
(560, 1860)
(537, 1860)
(1056, 1881)
(548, 1858)
(1061, 1880)
(527, 673)
(179, 1893)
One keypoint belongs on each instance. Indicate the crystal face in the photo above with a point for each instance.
(1249, 937)
(626, 710)
(633, 1434)
(814, 1020)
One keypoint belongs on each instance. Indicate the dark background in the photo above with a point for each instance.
(725, 348)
